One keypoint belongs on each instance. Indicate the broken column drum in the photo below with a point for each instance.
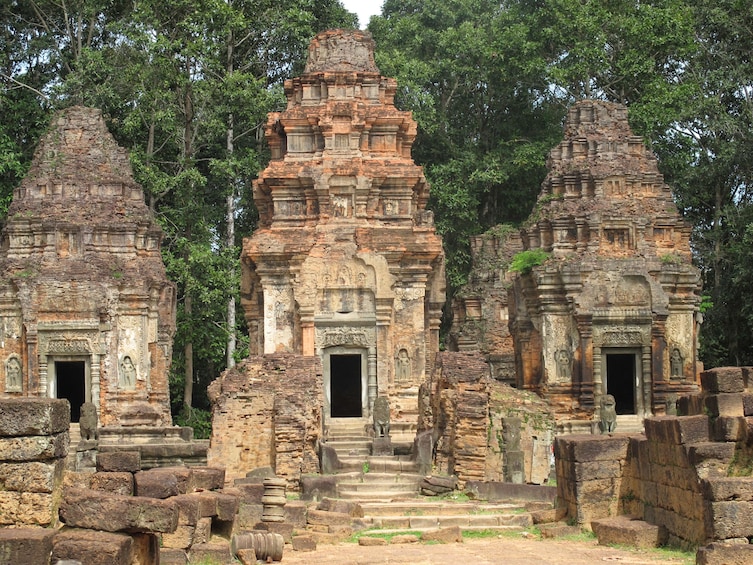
(273, 500)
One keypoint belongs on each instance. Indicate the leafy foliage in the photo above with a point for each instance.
(524, 261)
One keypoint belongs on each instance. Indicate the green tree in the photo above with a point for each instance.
(475, 83)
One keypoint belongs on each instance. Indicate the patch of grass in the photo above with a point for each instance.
(668, 554)
(584, 536)
(514, 534)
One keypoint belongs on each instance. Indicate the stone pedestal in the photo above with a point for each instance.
(382, 446)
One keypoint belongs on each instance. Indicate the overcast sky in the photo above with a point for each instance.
(364, 8)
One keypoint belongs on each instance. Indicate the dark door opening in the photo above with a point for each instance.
(345, 386)
(70, 381)
(621, 381)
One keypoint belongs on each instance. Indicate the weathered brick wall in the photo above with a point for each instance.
(678, 475)
(460, 405)
(266, 412)
(33, 446)
(486, 430)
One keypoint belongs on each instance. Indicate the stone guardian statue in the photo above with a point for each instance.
(607, 414)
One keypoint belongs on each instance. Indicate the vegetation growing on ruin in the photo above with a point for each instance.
(187, 92)
(525, 261)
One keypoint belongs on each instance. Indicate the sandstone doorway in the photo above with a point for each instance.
(622, 381)
(70, 383)
(346, 386)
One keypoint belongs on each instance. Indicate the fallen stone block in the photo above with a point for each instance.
(323, 517)
(184, 476)
(25, 545)
(248, 493)
(729, 519)
(295, 513)
(343, 506)
(246, 556)
(208, 478)
(92, 547)
(316, 487)
(188, 508)
(451, 534)
(34, 417)
(114, 513)
(722, 379)
(212, 552)
(119, 461)
(725, 554)
(303, 543)
(213, 503)
(626, 531)
(114, 482)
(181, 538)
(156, 483)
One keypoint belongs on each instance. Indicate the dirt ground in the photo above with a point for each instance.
(501, 550)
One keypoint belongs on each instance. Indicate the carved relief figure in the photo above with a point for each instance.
(607, 414)
(402, 366)
(339, 206)
(564, 365)
(675, 364)
(13, 380)
(127, 373)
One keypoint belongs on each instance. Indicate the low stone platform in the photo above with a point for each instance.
(622, 530)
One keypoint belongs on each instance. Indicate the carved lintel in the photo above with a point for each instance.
(331, 337)
(69, 346)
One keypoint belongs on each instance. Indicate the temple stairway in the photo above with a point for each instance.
(365, 477)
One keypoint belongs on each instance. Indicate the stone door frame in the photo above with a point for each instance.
(630, 338)
(326, 355)
(640, 402)
(52, 377)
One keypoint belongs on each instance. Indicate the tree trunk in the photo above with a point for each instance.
(230, 219)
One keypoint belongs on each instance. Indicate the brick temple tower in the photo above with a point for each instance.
(615, 308)
(346, 264)
(86, 310)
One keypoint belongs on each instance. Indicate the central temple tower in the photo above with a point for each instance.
(345, 264)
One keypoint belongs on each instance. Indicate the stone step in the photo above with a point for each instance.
(380, 464)
(348, 437)
(377, 496)
(478, 521)
(416, 508)
(500, 529)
